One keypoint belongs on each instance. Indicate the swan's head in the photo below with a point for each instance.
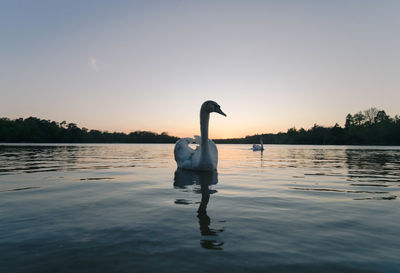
(211, 106)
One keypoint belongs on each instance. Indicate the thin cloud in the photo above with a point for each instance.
(94, 64)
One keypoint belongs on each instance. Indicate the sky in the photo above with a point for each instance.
(149, 65)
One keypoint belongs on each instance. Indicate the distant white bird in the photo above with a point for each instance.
(205, 156)
(257, 147)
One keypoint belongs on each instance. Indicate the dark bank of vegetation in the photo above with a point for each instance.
(370, 127)
(34, 130)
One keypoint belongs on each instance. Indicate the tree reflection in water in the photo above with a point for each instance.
(185, 178)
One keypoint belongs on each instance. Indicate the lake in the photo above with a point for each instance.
(125, 208)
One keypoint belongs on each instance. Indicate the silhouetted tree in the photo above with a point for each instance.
(359, 118)
(370, 115)
(381, 117)
(349, 121)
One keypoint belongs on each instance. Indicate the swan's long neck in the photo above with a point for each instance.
(204, 120)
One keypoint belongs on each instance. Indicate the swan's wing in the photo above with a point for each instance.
(186, 157)
(197, 139)
(213, 153)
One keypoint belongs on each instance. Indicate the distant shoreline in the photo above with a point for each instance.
(371, 127)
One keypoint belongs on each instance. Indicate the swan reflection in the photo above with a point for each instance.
(185, 178)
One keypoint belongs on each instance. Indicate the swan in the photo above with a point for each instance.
(257, 147)
(205, 156)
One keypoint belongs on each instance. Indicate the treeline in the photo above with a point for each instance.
(34, 130)
(369, 127)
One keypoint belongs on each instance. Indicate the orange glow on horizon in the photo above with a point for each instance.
(224, 132)
(221, 133)
(219, 127)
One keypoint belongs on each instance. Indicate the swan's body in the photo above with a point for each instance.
(258, 147)
(205, 156)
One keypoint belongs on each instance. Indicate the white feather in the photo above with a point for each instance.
(188, 158)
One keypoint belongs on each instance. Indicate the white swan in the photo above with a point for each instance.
(257, 147)
(205, 156)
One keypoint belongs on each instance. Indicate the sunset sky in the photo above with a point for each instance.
(149, 65)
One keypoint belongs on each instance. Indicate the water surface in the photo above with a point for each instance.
(125, 208)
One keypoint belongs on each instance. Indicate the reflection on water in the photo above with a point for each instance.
(374, 168)
(69, 157)
(111, 208)
(185, 178)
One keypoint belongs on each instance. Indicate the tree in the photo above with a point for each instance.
(359, 118)
(336, 130)
(381, 117)
(397, 119)
(370, 115)
(71, 126)
(349, 121)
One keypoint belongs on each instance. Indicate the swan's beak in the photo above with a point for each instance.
(219, 111)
